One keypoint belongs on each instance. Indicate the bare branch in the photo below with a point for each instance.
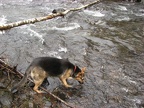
(50, 16)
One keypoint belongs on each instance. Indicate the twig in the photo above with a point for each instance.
(50, 16)
(4, 65)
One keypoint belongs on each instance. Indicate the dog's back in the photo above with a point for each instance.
(53, 66)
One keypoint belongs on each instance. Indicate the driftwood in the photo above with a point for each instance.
(7, 68)
(50, 16)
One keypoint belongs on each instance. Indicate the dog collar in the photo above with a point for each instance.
(74, 68)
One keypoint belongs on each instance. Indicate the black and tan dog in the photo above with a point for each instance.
(43, 67)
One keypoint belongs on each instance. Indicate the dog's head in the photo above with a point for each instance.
(80, 75)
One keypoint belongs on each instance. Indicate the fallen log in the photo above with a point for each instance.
(50, 16)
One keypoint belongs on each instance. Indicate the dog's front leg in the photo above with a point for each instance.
(63, 80)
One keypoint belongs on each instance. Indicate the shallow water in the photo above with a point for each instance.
(107, 38)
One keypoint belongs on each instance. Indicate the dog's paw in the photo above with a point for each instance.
(68, 86)
(39, 91)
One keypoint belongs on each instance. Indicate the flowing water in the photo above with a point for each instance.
(107, 38)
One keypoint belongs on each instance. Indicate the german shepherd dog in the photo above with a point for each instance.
(43, 67)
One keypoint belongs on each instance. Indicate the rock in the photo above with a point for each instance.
(58, 10)
(5, 98)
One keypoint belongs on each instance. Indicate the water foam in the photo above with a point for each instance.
(94, 13)
(62, 49)
(3, 21)
(67, 28)
(122, 8)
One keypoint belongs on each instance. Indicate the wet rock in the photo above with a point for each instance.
(61, 92)
(110, 46)
(5, 98)
(47, 104)
(58, 10)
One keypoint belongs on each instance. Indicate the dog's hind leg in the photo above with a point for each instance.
(37, 84)
(38, 75)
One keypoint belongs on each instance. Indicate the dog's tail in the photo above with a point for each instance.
(23, 81)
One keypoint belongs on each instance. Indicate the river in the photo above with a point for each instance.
(106, 38)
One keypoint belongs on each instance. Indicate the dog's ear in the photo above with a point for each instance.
(83, 69)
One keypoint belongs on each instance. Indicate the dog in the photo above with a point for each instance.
(43, 67)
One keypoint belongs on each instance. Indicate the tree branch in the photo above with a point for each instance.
(50, 16)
